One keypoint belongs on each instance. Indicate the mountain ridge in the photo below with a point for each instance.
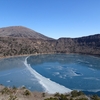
(22, 45)
(21, 32)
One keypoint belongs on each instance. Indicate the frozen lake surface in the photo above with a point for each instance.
(52, 73)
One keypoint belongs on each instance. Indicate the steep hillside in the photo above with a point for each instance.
(21, 32)
(33, 44)
(83, 45)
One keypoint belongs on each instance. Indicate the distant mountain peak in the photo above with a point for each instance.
(21, 32)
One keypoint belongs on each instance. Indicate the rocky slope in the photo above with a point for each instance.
(11, 45)
(83, 45)
(8, 93)
(21, 32)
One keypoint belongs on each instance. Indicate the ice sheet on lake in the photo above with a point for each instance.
(50, 86)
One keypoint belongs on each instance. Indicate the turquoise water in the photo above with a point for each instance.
(52, 72)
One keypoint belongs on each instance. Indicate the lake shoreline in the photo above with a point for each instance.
(27, 56)
(22, 93)
(3, 57)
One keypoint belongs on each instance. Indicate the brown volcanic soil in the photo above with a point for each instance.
(18, 40)
(21, 32)
(7, 93)
(22, 93)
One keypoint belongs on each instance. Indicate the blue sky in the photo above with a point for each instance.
(53, 18)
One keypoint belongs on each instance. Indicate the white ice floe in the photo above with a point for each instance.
(94, 90)
(8, 81)
(91, 78)
(56, 73)
(5, 74)
(49, 86)
(91, 69)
